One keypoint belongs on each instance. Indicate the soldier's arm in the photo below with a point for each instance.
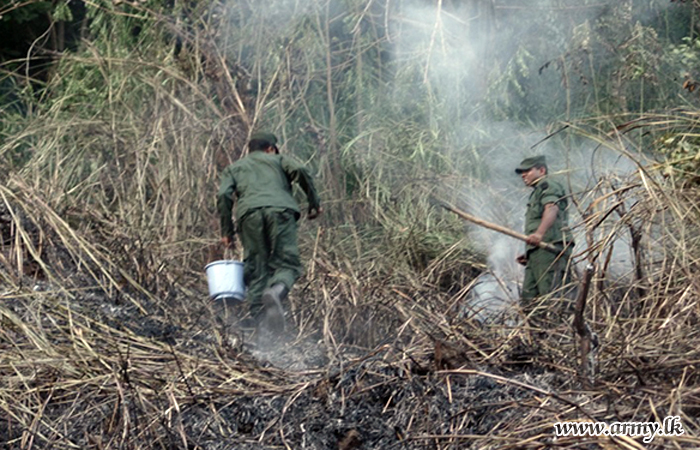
(298, 173)
(549, 216)
(224, 203)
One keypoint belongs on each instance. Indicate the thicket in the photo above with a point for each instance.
(110, 156)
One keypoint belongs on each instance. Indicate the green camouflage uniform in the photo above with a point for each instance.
(267, 215)
(546, 271)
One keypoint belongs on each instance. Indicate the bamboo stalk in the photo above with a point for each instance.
(498, 228)
(584, 333)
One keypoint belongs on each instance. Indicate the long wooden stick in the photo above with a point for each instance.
(499, 228)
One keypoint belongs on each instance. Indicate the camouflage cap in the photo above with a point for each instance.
(264, 136)
(528, 163)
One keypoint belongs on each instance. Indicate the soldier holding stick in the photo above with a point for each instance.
(546, 220)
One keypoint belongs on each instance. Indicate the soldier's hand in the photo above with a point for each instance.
(314, 213)
(228, 242)
(534, 239)
(521, 259)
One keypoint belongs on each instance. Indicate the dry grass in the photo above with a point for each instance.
(107, 340)
(91, 358)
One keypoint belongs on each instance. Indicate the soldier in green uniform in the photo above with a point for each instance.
(546, 220)
(266, 214)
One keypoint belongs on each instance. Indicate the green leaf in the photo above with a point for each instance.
(62, 12)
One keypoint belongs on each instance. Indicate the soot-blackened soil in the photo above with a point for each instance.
(149, 382)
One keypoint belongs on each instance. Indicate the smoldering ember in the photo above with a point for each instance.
(448, 142)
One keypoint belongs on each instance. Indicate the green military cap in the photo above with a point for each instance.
(264, 136)
(528, 163)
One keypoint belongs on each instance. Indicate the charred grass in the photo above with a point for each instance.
(106, 345)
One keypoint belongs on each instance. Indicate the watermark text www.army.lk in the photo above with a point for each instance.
(671, 426)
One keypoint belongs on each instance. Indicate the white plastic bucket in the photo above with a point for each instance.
(225, 279)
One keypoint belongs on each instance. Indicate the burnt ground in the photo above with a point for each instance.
(105, 375)
(94, 360)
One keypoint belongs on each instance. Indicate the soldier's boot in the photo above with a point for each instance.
(273, 314)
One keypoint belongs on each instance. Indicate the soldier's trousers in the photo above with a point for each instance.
(545, 272)
(271, 252)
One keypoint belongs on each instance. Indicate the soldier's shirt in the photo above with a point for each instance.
(548, 190)
(262, 180)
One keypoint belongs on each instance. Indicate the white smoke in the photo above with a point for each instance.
(501, 198)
